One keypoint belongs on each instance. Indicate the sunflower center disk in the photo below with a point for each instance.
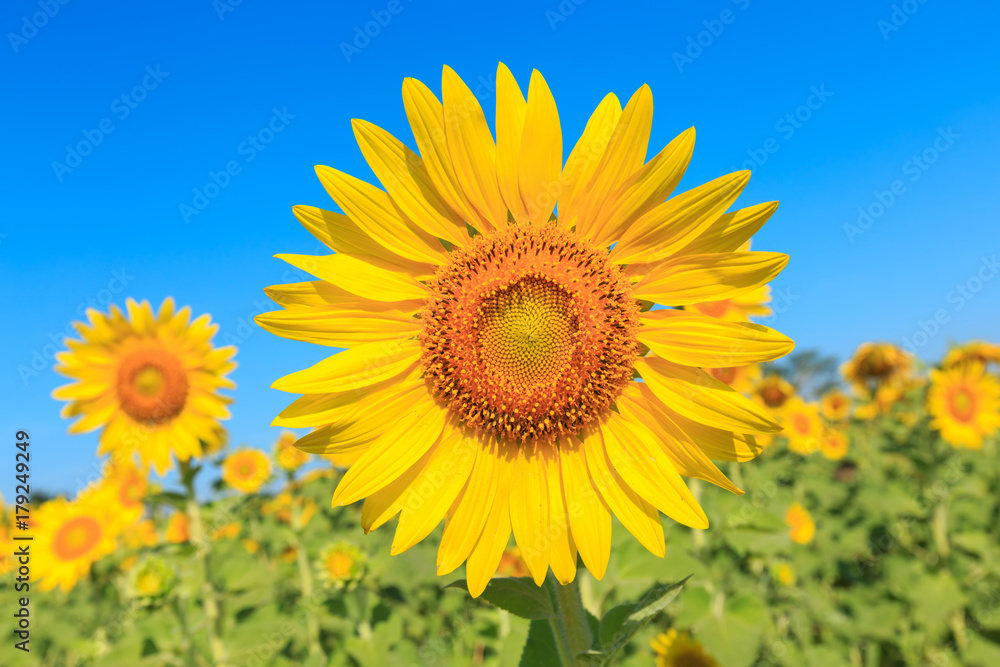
(76, 537)
(152, 385)
(529, 333)
(962, 405)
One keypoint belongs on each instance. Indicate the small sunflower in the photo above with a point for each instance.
(877, 364)
(293, 510)
(741, 378)
(151, 380)
(964, 403)
(124, 485)
(773, 391)
(678, 649)
(802, 528)
(141, 534)
(803, 426)
(834, 444)
(289, 457)
(493, 338)
(835, 405)
(976, 352)
(252, 546)
(227, 531)
(150, 580)
(785, 575)
(341, 565)
(246, 470)
(178, 530)
(70, 536)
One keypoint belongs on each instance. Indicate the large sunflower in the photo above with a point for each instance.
(494, 344)
(964, 402)
(150, 379)
(71, 536)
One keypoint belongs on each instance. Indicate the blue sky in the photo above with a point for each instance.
(893, 109)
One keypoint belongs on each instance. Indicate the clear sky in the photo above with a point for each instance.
(118, 113)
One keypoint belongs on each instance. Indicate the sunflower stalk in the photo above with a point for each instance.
(203, 547)
(308, 594)
(570, 627)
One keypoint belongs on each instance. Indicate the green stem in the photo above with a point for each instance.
(185, 630)
(574, 628)
(306, 582)
(203, 547)
(940, 528)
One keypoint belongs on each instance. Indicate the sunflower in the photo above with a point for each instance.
(833, 444)
(150, 580)
(877, 364)
(150, 379)
(741, 378)
(141, 534)
(178, 529)
(678, 649)
(803, 427)
(785, 575)
(246, 470)
(964, 403)
(835, 405)
(494, 345)
(773, 392)
(295, 511)
(126, 486)
(70, 536)
(802, 528)
(974, 352)
(289, 457)
(341, 565)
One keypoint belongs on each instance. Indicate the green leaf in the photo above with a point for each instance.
(518, 595)
(172, 498)
(622, 622)
(540, 648)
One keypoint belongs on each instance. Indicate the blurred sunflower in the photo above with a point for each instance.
(141, 534)
(678, 649)
(802, 528)
(493, 339)
(151, 380)
(246, 470)
(126, 486)
(835, 405)
(976, 352)
(289, 457)
(773, 391)
(785, 575)
(833, 444)
(741, 378)
(178, 529)
(877, 364)
(70, 536)
(803, 427)
(293, 510)
(964, 402)
(341, 565)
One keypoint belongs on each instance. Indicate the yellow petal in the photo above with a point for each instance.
(697, 395)
(435, 490)
(354, 368)
(510, 125)
(339, 327)
(405, 441)
(485, 556)
(626, 152)
(359, 277)
(374, 213)
(676, 222)
(318, 293)
(529, 510)
(541, 152)
(638, 516)
(589, 516)
(717, 444)
(404, 176)
(344, 407)
(463, 529)
(707, 342)
(426, 116)
(731, 231)
(562, 552)
(687, 279)
(645, 189)
(648, 471)
(583, 160)
(471, 149)
(387, 502)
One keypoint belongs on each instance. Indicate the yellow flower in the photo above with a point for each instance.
(836, 405)
(69, 537)
(124, 485)
(151, 380)
(288, 555)
(834, 444)
(340, 565)
(226, 532)
(511, 564)
(877, 364)
(246, 470)
(785, 574)
(803, 427)
(252, 546)
(964, 403)
(741, 378)
(290, 509)
(477, 320)
(678, 649)
(773, 391)
(287, 455)
(976, 352)
(151, 580)
(801, 524)
(177, 528)
(141, 534)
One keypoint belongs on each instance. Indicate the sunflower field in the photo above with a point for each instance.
(555, 430)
